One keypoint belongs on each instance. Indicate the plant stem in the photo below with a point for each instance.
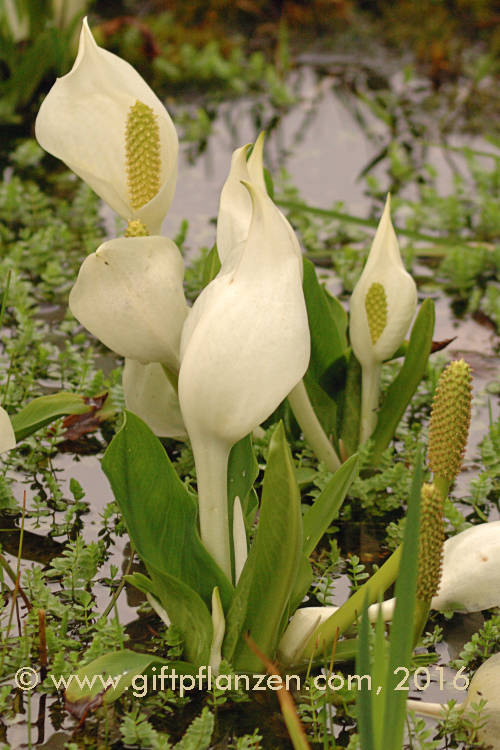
(343, 618)
(370, 392)
(311, 427)
(211, 458)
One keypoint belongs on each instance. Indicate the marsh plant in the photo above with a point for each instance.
(264, 338)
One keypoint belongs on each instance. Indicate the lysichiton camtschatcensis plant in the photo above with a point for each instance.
(263, 335)
(382, 307)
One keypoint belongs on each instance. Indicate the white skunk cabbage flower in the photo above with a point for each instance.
(245, 345)
(470, 581)
(150, 394)
(108, 126)
(384, 300)
(7, 436)
(129, 294)
(382, 307)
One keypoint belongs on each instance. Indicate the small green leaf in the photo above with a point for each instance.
(41, 411)
(405, 384)
(267, 580)
(211, 267)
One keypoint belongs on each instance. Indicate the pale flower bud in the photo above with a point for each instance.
(108, 126)
(129, 294)
(384, 300)
(149, 394)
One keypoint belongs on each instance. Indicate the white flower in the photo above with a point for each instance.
(384, 300)
(245, 345)
(129, 294)
(7, 436)
(108, 126)
(149, 394)
(470, 581)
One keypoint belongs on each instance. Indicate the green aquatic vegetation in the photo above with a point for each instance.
(482, 644)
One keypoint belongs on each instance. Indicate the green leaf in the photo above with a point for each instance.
(328, 325)
(41, 411)
(302, 583)
(122, 667)
(198, 735)
(405, 384)
(185, 610)
(363, 698)
(188, 612)
(327, 505)
(241, 475)
(267, 580)
(402, 622)
(161, 515)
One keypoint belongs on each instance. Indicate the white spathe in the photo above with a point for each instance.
(383, 266)
(149, 394)
(129, 294)
(245, 343)
(470, 580)
(83, 119)
(7, 436)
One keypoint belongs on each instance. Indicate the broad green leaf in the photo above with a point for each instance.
(185, 610)
(161, 515)
(41, 411)
(188, 612)
(327, 323)
(405, 384)
(402, 623)
(267, 580)
(118, 671)
(327, 505)
(302, 584)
